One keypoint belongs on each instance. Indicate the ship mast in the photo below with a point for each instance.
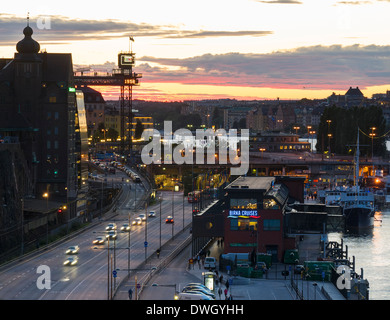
(357, 171)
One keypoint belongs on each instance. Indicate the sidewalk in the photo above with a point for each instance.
(241, 288)
(144, 271)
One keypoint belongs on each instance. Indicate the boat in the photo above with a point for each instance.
(358, 203)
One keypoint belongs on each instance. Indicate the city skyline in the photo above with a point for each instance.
(217, 49)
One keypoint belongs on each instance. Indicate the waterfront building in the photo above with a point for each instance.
(278, 142)
(254, 215)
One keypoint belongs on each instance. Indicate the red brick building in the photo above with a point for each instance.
(254, 215)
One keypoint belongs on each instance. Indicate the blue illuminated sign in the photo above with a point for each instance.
(243, 213)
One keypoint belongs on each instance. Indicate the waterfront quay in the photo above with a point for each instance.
(176, 272)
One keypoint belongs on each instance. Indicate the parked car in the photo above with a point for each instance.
(199, 286)
(192, 296)
(200, 290)
(261, 265)
(72, 250)
(210, 263)
(169, 219)
(298, 269)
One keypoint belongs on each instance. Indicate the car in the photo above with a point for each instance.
(125, 227)
(198, 290)
(99, 240)
(72, 250)
(142, 216)
(71, 261)
(210, 263)
(137, 221)
(169, 219)
(198, 285)
(111, 235)
(298, 269)
(192, 296)
(195, 211)
(261, 265)
(152, 214)
(111, 226)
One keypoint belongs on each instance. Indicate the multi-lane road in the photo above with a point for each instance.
(42, 276)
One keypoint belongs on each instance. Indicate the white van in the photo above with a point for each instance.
(193, 296)
(210, 263)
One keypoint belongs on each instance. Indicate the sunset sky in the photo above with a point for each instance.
(246, 49)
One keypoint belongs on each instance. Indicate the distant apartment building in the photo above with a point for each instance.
(95, 108)
(234, 115)
(352, 98)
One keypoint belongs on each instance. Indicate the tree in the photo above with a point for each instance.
(139, 128)
(342, 124)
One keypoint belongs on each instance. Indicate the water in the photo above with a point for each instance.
(372, 253)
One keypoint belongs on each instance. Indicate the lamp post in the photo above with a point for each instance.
(312, 133)
(160, 198)
(329, 122)
(372, 134)
(329, 137)
(296, 129)
(22, 245)
(173, 217)
(46, 195)
(262, 150)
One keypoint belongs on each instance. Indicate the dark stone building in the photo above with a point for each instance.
(40, 123)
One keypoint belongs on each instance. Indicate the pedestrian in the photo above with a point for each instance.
(130, 294)
(218, 243)
(199, 261)
(225, 291)
(220, 292)
(221, 278)
(227, 284)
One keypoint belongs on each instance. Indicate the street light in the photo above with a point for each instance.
(46, 195)
(372, 134)
(296, 129)
(312, 133)
(329, 137)
(262, 150)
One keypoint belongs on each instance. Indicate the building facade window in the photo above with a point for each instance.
(243, 204)
(270, 204)
(271, 225)
(243, 224)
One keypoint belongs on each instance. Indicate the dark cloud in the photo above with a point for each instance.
(66, 29)
(317, 67)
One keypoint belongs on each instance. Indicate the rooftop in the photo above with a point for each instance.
(254, 183)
